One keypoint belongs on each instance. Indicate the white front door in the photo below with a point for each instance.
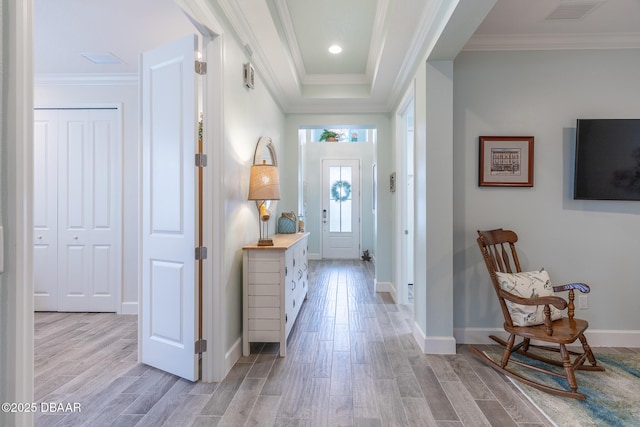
(77, 210)
(341, 209)
(169, 301)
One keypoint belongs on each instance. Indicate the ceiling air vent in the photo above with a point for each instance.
(573, 10)
(102, 58)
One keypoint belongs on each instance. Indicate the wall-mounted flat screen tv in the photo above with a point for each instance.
(607, 162)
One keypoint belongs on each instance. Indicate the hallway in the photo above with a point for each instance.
(351, 361)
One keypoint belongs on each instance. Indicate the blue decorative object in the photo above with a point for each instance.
(287, 223)
(340, 191)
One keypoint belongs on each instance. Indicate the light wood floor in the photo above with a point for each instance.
(351, 361)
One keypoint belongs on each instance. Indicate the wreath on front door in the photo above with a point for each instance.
(340, 191)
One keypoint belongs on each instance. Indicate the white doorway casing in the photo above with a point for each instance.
(16, 121)
(405, 201)
(311, 155)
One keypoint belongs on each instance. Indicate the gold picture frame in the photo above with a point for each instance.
(506, 161)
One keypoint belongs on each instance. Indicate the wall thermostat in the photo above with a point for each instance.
(249, 75)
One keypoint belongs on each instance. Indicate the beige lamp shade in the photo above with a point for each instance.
(264, 183)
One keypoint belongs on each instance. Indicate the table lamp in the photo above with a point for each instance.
(264, 185)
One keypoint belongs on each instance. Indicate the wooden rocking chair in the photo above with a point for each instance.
(499, 253)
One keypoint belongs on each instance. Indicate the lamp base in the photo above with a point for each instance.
(265, 242)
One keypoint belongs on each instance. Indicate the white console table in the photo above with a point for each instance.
(274, 286)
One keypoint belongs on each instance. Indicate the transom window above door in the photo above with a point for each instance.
(344, 134)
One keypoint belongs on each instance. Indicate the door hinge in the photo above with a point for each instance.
(201, 68)
(201, 252)
(201, 346)
(201, 160)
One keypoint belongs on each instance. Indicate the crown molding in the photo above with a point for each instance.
(433, 21)
(337, 79)
(240, 26)
(290, 38)
(199, 12)
(342, 106)
(378, 37)
(506, 42)
(86, 79)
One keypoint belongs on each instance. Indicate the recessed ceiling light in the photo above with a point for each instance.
(102, 58)
(335, 49)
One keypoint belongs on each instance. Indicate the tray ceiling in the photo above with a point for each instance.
(383, 41)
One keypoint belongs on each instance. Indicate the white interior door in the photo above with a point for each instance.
(88, 215)
(77, 210)
(341, 208)
(45, 210)
(169, 308)
(409, 205)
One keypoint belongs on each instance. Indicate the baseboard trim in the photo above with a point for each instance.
(596, 337)
(315, 257)
(434, 344)
(232, 356)
(385, 287)
(129, 308)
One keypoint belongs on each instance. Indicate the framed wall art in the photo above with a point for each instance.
(506, 161)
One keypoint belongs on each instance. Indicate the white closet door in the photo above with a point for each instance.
(45, 210)
(77, 210)
(106, 212)
(88, 211)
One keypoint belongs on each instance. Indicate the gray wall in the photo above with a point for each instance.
(542, 94)
(248, 115)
